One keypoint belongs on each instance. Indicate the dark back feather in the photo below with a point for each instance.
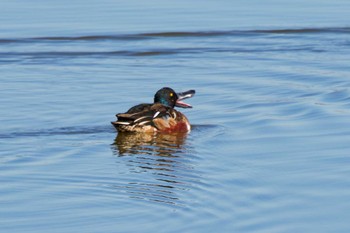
(142, 115)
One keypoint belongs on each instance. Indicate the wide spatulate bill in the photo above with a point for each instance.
(184, 95)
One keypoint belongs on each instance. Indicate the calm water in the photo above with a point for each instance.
(269, 150)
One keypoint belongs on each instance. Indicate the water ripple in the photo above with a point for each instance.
(70, 130)
(177, 34)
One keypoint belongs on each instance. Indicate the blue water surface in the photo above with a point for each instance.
(269, 148)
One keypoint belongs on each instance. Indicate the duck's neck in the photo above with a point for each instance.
(164, 102)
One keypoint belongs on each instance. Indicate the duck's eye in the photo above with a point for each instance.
(171, 94)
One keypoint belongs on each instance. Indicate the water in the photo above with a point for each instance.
(269, 149)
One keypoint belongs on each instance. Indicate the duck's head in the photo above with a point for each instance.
(170, 98)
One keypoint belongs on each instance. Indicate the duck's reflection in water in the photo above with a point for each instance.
(159, 167)
(156, 144)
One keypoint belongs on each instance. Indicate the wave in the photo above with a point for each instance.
(153, 35)
(151, 52)
(60, 131)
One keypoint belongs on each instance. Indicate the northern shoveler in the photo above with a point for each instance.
(157, 117)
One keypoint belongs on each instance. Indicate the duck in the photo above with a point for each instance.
(159, 116)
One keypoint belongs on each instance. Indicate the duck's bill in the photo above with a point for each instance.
(184, 95)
